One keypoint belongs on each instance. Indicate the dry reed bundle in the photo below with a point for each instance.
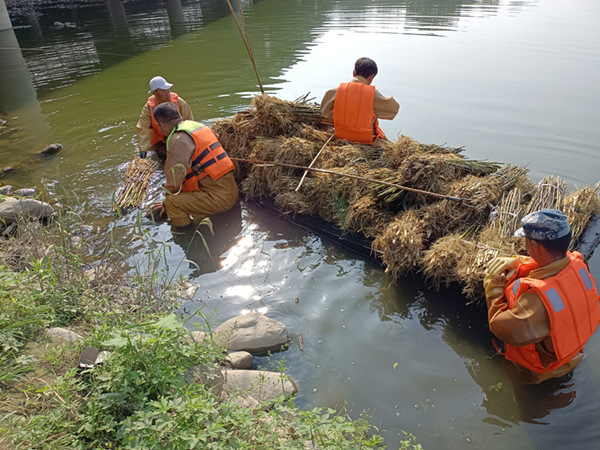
(401, 244)
(254, 185)
(334, 156)
(236, 144)
(550, 194)
(487, 191)
(579, 207)
(471, 268)
(309, 132)
(395, 152)
(296, 150)
(133, 191)
(294, 202)
(328, 197)
(365, 216)
(505, 219)
(442, 259)
(387, 194)
(275, 117)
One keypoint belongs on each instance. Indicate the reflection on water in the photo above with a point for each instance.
(514, 81)
(204, 245)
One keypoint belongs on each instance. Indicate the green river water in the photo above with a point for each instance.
(511, 81)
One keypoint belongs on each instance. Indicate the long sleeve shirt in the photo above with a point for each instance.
(527, 322)
(179, 161)
(144, 124)
(383, 107)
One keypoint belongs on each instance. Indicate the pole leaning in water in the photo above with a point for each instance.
(246, 40)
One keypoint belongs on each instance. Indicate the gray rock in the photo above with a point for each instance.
(12, 209)
(6, 190)
(253, 333)
(51, 149)
(210, 376)
(7, 169)
(261, 385)
(63, 334)
(198, 336)
(240, 360)
(25, 192)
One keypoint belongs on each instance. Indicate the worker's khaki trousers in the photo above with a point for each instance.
(214, 197)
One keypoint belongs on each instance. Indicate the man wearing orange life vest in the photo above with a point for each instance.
(543, 308)
(199, 174)
(149, 134)
(356, 106)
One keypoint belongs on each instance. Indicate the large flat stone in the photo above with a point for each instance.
(253, 332)
(12, 209)
(259, 384)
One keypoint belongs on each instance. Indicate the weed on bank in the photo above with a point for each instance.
(146, 394)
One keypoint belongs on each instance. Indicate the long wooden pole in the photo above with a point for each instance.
(356, 177)
(246, 40)
(312, 162)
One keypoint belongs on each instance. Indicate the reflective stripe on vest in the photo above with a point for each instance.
(157, 135)
(353, 115)
(209, 156)
(571, 301)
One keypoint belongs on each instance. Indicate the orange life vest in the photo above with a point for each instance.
(157, 135)
(353, 115)
(571, 301)
(209, 156)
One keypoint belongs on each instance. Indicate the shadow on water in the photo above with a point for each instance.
(203, 249)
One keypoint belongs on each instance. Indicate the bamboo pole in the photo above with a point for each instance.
(312, 162)
(246, 40)
(356, 177)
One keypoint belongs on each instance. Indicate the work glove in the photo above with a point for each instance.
(504, 266)
(143, 154)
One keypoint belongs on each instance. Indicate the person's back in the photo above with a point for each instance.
(356, 106)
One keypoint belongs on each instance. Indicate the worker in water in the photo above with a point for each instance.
(544, 308)
(149, 135)
(356, 106)
(199, 174)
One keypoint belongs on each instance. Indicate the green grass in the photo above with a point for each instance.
(143, 396)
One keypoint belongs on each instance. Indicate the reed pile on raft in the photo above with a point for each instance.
(448, 241)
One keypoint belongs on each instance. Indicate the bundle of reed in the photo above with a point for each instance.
(550, 194)
(442, 260)
(430, 171)
(580, 206)
(365, 216)
(294, 202)
(396, 151)
(297, 150)
(387, 194)
(310, 132)
(133, 191)
(506, 217)
(236, 144)
(341, 155)
(275, 117)
(328, 196)
(401, 244)
(487, 191)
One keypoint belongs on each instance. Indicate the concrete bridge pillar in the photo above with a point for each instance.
(4, 19)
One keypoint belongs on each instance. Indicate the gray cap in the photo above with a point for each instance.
(544, 225)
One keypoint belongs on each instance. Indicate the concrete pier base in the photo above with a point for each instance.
(4, 19)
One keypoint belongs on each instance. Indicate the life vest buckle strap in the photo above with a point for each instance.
(500, 348)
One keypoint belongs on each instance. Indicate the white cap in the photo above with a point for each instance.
(159, 83)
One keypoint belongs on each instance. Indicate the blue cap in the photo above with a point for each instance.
(544, 225)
